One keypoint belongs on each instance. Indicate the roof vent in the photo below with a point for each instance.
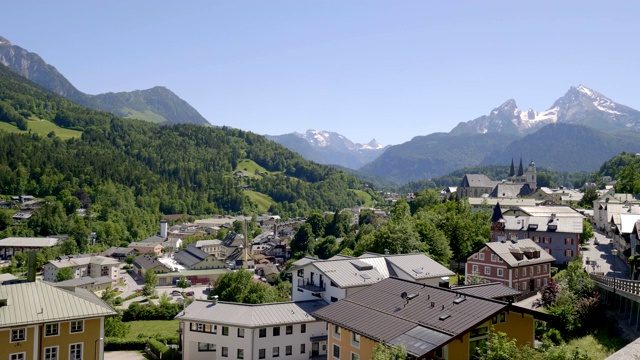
(459, 300)
(445, 316)
(4, 302)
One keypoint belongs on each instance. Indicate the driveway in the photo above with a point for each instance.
(124, 355)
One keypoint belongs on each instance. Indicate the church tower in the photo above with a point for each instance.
(532, 178)
(497, 224)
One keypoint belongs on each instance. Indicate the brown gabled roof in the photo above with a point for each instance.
(431, 318)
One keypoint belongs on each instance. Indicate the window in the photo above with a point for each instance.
(77, 326)
(538, 269)
(18, 335)
(276, 351)
(301, 273)
(262, 353)
(481, 256)
(302, 349)
(494, 258)
(334, 299)
(487, 270)
(199, 327)
(503, 317)
(214, 329)
(475, 256)
(355, 356)
(289, 330)
(334, 284)
(336, 331)
(276, 331)
(336, 351)
(548, 251)
(544, 268)
(303, 328)
(475, 268)
(568, 241)
(500, 272)
(524, 271)
(536, 239)
(262, 332)
(240, 332)
(51, 330)
(240, 353)
(225, 351)
(355, 339)
(539, 282)
(517, 286)
(75, 351)
(225, 331)
(206, 347)
(288, 350)
(17, 356)
(51, 353)
(568, 253)
(545, 281)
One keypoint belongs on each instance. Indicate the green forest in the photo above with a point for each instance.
(127, 173)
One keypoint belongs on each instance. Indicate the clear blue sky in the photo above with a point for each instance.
(389, 70)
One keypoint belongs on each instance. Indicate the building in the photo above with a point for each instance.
(490, 290)
(82, 266)
(146, 262)
(146, 247)
(12, 245)
(623, 227)
(119, 253)
(196, 259)
(35, 325)
(519, 264)
(609, 204)
(95, 285)
(213, 330)
(213, 247)
(521, 183)
(430, 322)
(488, 203)
(341, 276)
(556, 229)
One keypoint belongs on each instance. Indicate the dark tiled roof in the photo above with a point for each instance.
(191, 255)
(148, 262)
(488, 291)
(379, 312)
(477, 180)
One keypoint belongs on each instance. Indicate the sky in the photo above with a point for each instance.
(388, 70)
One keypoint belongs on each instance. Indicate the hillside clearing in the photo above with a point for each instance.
(42, 127)
(263, 201)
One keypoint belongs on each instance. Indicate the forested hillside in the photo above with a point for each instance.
(127, 172)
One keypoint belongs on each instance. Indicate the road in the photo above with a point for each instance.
(601, 260)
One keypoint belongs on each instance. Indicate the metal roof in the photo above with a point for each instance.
(381, 313)
(86, 260)
(85, 280)
(349, 272)
(191, 255)
(563, 225)
(28, 242)
(627, 222)
(251, 315)
(559, 210)
(147, 262)
(504, 251)
(477, 180)
(418, 266)
(38, 302)
(488, 290)
(213, 242)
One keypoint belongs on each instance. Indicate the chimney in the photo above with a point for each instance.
(386, 251)
(31, 266)
(163, 229)
(4, 302)
(215, 299)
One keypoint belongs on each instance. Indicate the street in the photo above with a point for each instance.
(601, 260)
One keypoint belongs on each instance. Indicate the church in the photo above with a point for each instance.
(517, 184)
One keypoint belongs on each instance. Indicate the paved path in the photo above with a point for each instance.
(600, 256)
(124, 355)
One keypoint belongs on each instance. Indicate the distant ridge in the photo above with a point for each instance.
(158, 104)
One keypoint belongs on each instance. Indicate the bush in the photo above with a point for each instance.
(118, 301)
(117, 344)
(133, 296)
(162, 351)
(554, 336)
(151, 312)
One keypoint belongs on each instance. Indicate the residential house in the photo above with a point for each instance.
(119, 253)
(340, 276)
(216, 329)
(609, 204)
(269, 272)
(22, 216)
(430, 322)
(559, 196)
(83, 265)
(95, 285)
(556, 229)
(12, 245)
(490, 290)
(623, 227)
(8, 279)
(35, 325)
(488, 203)
(146, 247)
(146, 262)
(519, 264)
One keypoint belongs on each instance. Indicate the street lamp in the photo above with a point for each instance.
(614, 252)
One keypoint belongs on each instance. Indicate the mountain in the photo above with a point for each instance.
(157, 104)
(330, 148)
(567, 147)
(435, 155)
(580, 105)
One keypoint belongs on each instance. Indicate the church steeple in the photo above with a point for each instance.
(512, 171)
(497, 214)
(520, 169)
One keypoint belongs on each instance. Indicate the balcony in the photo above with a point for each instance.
(311, 286)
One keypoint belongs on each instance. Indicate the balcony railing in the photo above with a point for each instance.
(310, 285)
(630, 286)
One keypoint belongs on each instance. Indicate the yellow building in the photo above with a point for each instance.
(429, 322)
(40, 321)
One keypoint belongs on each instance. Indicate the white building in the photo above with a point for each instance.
(214, 330)
(341, 276)
(92, 266)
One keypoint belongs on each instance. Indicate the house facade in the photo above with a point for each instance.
(12, 245)
(556, 229)
(215, 330)
(519, 264)
(84, 266)
(33, 327)
(213, 247)
(430, 322)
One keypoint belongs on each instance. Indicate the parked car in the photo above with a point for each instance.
(596, 242)
(176, 292)
(190, 293)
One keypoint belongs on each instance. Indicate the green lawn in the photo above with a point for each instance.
(42, 127)
(146, 115)
(249, 167)
(365, 197)
(164, 328)
(264, 201)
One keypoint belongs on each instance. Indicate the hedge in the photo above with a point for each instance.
(161, 350)
(117, 344)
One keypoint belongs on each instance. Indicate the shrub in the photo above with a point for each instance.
(554, 336)
(162, 351)
(117, 344)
